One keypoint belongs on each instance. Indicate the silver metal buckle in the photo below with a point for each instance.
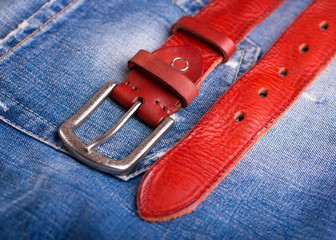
(86, 152)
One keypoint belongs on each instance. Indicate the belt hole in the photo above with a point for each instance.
(160, 105)
(239, 116)
(263, 92)
(304, 48)
(131, 86)
(283, 72)
(324, 25)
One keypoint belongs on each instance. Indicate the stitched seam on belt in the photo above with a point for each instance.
(210, 116)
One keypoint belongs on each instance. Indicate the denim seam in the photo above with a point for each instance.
(240, 63)
(255, 51)
(28, 109)
(17, 26)
(39, 28)
(59, 147)
(45, 120)
(199, 3)
(180, 7)
(33, 134)
(127, 177)
(105, 154)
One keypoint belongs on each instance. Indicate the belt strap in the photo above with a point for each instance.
(162, 82)
(212, 33)
(183, 178)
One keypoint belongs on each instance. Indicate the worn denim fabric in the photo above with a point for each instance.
(56, 54)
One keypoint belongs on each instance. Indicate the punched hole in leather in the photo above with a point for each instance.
(180, 180)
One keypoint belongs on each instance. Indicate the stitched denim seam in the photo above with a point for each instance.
(255, 51)
(39, 28)
(17, 26)
(199, 3)
(45, 120)
(33, 134)
(59, 147)
(180, 7)
(127, 177)
(240, 63)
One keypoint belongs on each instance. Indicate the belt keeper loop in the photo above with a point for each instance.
(162, 72)
(207, 33)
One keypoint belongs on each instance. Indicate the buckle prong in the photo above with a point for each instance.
(116, 127)
(86, 152)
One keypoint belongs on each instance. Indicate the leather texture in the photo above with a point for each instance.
(215, 38)
(183, 178)
(234, 19)
(163, 72)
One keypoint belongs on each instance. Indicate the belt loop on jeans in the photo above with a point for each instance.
(162, 82)
(248, 109)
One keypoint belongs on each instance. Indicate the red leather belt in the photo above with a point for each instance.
(162, 82)
(204, 41)
(183, 178)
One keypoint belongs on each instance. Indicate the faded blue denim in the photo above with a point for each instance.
(56, 54)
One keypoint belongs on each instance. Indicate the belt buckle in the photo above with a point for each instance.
(88, 155)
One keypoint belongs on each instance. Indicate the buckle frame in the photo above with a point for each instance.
(86, 153)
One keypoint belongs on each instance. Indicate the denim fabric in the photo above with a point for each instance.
(57, 54)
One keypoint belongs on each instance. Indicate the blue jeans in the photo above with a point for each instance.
(57, 54)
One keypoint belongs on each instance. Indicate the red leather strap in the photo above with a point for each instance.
(183, 178)
(233, 19)
(181, 85)
(224, 44)
(155, 96)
